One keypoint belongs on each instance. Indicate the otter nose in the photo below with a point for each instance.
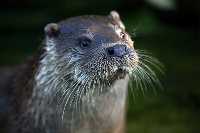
(117, 50)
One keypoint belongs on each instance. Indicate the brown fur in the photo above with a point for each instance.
(21, 82)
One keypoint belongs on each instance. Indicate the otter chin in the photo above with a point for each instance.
(78, 81)
(121, 73)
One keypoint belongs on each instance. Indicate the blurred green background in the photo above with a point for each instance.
(170, 29)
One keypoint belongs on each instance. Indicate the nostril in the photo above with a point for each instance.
(117, 50)
(110, 51)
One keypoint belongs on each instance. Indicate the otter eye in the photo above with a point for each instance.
(123, 35)
(84, 42)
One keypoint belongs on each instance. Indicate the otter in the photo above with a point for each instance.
(77, 82)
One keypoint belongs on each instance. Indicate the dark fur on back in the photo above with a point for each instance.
(16, 88)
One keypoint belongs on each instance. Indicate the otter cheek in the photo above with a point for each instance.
(133, 56)
(131, 51)
(136, 58)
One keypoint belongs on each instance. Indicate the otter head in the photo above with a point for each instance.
(92, 49)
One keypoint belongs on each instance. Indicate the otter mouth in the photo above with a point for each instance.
(120, 73)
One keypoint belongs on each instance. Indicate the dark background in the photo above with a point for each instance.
(171, 31)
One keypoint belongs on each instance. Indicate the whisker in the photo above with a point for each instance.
(144, 73)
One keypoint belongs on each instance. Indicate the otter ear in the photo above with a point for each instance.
(52, 30)
(114, 15)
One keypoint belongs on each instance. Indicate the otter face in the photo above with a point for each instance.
(96, 48)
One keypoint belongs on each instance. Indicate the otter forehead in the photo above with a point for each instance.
(99, 26)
